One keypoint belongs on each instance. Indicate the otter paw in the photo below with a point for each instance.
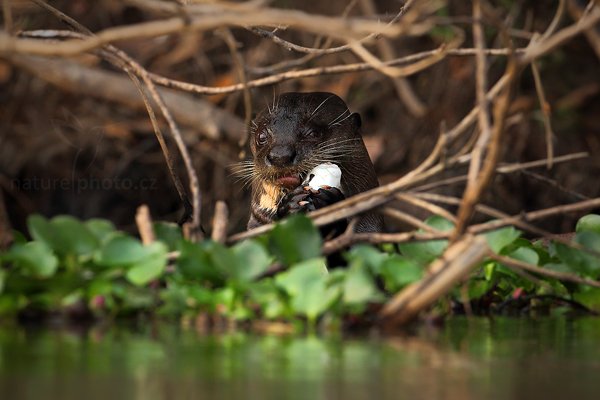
(304, 199)
(293, 202)
(326, 196)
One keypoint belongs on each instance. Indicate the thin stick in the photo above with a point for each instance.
(542, 47)
(426, 205)
(335, 27)
(140, 71)
(561, 276)
(164, 147)
(519, 220)
(539, 88)
(8, 18)
(409, 219)
(144, 224)
(457, 261)
(220, 219)
(238, 62)
(555, 20)
(474, 192)
(482, 102)
(313, 51)
(504, 169)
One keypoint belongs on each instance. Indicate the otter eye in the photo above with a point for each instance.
(309, 133)
(261, 138)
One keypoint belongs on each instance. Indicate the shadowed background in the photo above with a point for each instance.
(75, 138)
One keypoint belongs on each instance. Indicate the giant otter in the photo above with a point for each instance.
(299, 132)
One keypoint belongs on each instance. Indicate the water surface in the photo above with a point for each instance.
(550, 358)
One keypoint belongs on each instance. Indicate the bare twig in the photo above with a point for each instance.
(542, 47)
(314, 51)
(456, 262)
(238, 62)
(409, 219)
(592, 34)
(561, 276)
(335, 27)
(521, 220)
(555, 20)
(545, 114)
(144, 224)
(6, 235)
(8, 18)
(403, 88)
(482, 102)
(220, 219)
(474, 191)
(504, 169)
(163, 145)
(197, 113)
(426, 205)
(128, 65)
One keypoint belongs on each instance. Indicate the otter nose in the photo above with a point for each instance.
(281, 156)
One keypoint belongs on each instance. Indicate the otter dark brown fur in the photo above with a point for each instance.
(298, 132)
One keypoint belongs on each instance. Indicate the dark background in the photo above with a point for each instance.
(69, 150)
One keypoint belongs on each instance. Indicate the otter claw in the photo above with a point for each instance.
(304, 199)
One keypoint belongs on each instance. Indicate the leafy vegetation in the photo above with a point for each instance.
(90, 268)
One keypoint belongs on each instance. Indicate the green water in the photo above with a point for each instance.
(465, 359)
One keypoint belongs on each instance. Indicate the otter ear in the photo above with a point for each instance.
(356, 121)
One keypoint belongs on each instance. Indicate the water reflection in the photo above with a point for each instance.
(466, 359)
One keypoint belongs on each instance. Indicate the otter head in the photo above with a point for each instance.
(299, 132)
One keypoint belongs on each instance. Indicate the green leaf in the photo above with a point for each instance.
(252, 260)
(76, 238)
(501, 238)
(222, 258)
(525, 254)
(2, 280)
(196, 263)
(425, 252)
(267, 295)
(359, 286)
(119, 251)
(295, 239)
(72, 298)
(398, 271)
(589, 297)
(589, 223)
(35, 258)
(305, 283)
(41, 230)
(150, 267)
(18, 237)
(63, 234)
(581, 261)
(168, 233)
(100, 228)
(99, 287)
(477, 288)
(371, 256)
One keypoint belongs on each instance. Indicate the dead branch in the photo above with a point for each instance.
(376, 197)
(336, 27)
(592, 35)
(457, 261)
(504, 169)
(220, 217)
(542, 47)
(520, 220)
(6, 235)
(75, 78)
(561, 276)
(143, 221)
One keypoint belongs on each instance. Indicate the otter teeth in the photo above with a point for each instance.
(323, 175)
